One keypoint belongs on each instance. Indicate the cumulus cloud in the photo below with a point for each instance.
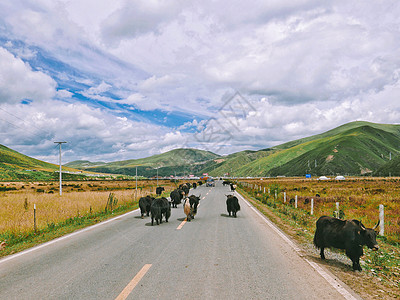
(304, 66)
(138, 17)
(18, 81)
(92, 134)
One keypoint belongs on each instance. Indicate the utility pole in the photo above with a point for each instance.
(59, 143)
(136, 183)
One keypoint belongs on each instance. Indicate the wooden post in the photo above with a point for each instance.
(381, 220)
(284, 197)
(312, 206)
(295, 201)
(264, 189)
(276, 195)
(34, 217)
(337, 209)
(136, 185)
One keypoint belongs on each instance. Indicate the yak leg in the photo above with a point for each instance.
(355, 255)
(322, 253)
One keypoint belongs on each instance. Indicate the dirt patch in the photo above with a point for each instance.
(329, 158)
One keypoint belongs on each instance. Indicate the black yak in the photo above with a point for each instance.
(350, 235)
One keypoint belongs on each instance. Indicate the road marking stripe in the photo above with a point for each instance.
(7, 258)
(129, 288)
(332, 281)
(181, 225)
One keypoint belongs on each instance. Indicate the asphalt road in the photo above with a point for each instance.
(212, 257)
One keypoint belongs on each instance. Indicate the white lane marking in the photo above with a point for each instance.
(129, 288)
(337, 286)
(331, 280)
(7, 258)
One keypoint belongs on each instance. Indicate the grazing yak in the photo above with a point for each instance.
(226, 182)
(185, 187)
(194, 185)
(145, 205)
(232, 205)
(159, 190)
(159, 208)
(190, 205)
(176, 197)
(350, 235)
(233, 187)
(199, 183)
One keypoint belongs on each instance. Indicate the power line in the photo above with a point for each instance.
(25, 129)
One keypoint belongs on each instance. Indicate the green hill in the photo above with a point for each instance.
(390, 168)
(80, 164)
(179, 161)
(355, 148)
(16, 166)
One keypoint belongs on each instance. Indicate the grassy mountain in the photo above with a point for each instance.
(81, 164)
(390, 168)
(16, 166)
(179, 161)
(355, 148)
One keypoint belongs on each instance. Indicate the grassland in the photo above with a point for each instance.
(82, 203)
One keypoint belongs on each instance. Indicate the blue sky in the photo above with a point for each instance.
(128, 79)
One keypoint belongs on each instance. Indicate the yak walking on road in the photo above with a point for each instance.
(232, 205)
(145, 205)
(159, 208)
(350, 235)
(190, 205)
(176, 197)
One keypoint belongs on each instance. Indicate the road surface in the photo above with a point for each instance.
(212, 257)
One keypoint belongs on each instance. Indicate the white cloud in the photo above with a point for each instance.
(306, 66)
(18, 81)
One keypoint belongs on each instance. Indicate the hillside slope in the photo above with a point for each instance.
(179, 161)
(16, 166)
(357, 148)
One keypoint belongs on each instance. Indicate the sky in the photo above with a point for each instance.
(126, 79)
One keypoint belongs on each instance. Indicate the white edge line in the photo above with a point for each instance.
(13, 256)
(334, 283)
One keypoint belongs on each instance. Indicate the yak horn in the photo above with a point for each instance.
(376, 226)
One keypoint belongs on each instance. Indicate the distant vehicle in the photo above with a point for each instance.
(323, 178)
(210, 182)
(340, 178)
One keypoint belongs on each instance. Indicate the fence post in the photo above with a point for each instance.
(34, 217)
(295, 201)
(312, 206)
(337, 210)
(264, 189)
(275, 195)
(284, 197)
(269, 191)
(381, 220)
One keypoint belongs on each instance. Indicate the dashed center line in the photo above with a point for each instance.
(129, 288)
(181, 225)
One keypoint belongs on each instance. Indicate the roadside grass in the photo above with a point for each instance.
(384, 264)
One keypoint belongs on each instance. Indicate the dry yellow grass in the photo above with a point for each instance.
(78, 198)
